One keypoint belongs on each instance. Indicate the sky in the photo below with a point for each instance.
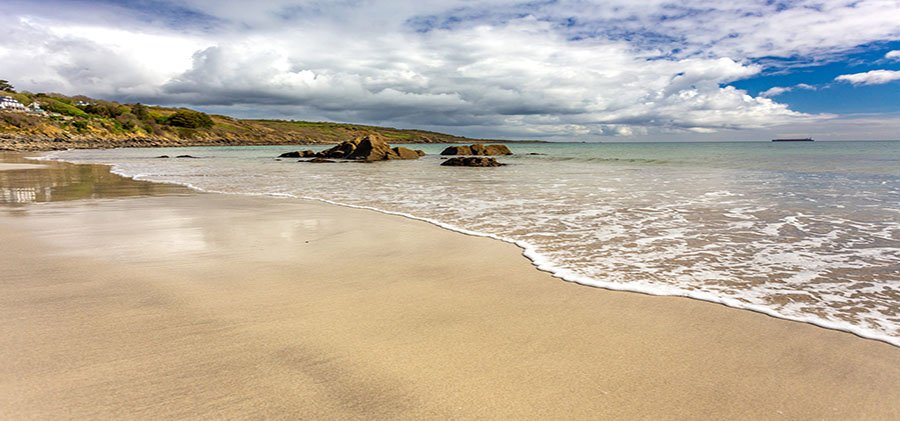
(611, 71)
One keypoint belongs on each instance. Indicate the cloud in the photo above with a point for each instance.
(94, 60)
(893, 55)
(521, 75)
(778, 90)
(774, 91)
(805, 30)
(874, 77)
(513, 68)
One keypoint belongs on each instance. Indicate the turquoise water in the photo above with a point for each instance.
(802, 231)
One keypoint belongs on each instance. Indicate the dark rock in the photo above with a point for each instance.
(372, 148)
(477, 149)
(163, 156)
(457, 150)
(298, 154)
(535, 153)
(341, 151)
(472, 161)
(318, 160)
(186, 156)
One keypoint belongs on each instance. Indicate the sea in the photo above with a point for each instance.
(806, 231)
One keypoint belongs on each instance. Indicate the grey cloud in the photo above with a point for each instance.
(50, 62)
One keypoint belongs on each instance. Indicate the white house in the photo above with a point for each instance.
(9, 103)
(35, 108)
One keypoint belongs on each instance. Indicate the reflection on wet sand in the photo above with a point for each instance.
(52, 181)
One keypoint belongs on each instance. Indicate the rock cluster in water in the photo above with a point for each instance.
(477, 149)
(369, 148)
(372, 147)
(472, 161)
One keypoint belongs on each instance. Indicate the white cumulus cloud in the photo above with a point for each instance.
(778, 90)
(873, 77)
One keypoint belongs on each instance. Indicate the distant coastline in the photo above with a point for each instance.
(48, 121)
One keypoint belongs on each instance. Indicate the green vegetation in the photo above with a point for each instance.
(190, 119)
(5, 86)
(105, 109)
(54, 105)
(140, 112)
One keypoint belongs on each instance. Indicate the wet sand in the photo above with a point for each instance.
(12, 167)
(122, 299)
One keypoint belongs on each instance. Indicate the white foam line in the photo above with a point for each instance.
(542, 263)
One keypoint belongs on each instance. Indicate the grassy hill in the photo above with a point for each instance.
(82, 122)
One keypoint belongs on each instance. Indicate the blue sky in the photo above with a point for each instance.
(830, 96)
(615, 70)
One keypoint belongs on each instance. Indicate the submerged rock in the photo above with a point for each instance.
(318, 160)
(472, 161)
(186, 156)
(477, 149)
(163, 156)
(298, 154)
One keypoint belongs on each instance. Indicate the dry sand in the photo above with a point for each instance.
(213, 306)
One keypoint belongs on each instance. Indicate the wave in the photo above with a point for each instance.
(551, 158)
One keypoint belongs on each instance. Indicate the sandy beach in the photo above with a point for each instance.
(131, 300)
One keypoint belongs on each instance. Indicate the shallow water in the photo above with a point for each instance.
(807, 231)
(22, 182)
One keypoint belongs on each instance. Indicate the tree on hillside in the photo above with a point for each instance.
(5, 86)
(140, 111)
(190, 119)
(104, 109)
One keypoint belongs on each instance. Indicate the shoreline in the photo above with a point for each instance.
(272, 307)
(28, 144)
(542, 264)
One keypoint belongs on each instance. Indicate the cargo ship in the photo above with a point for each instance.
(807, 139)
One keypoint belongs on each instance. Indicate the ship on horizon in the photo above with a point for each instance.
(806, 139)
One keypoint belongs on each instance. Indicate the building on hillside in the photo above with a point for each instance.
(35, 108)
(9, 103)
(83, 103)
